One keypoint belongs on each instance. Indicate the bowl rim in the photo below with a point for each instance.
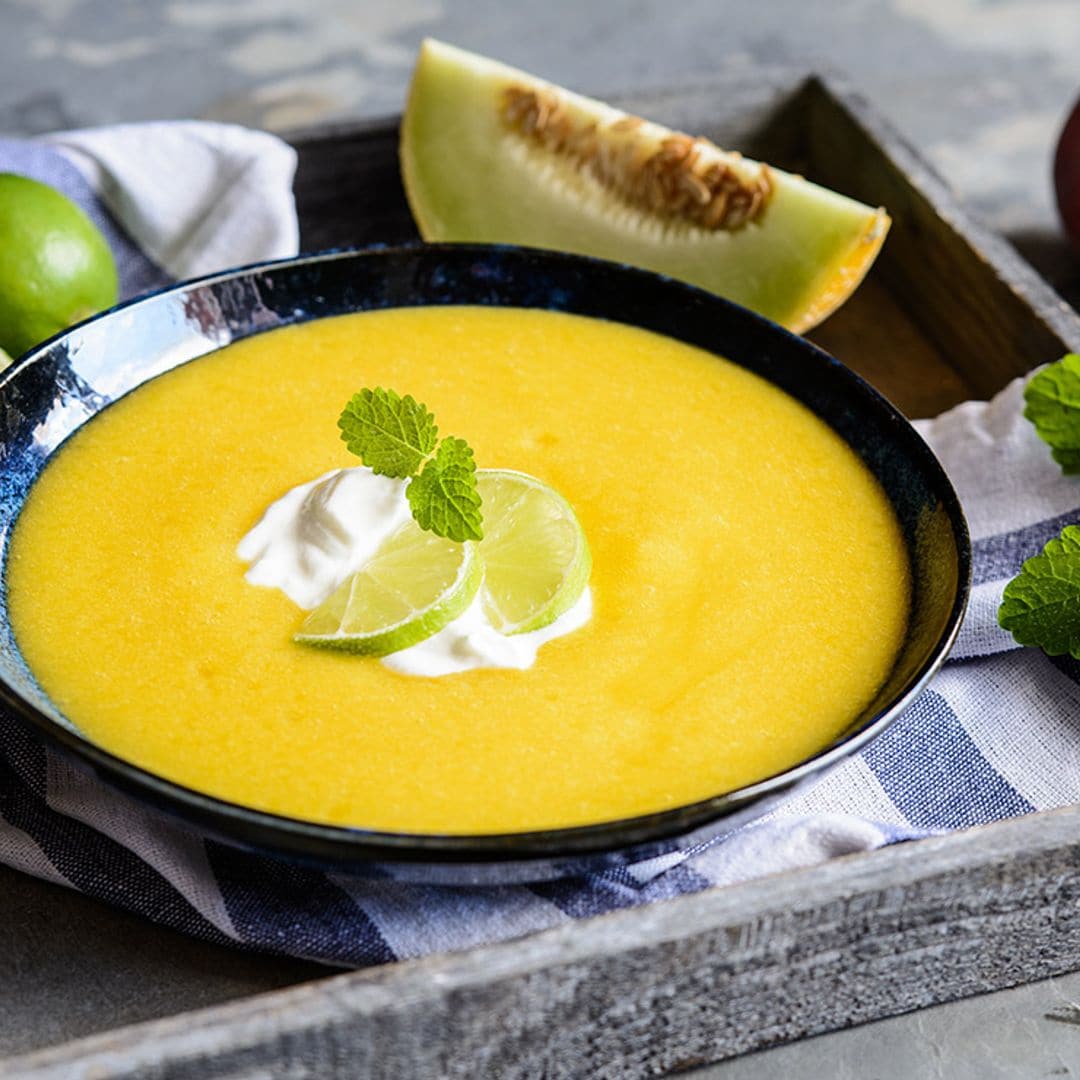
(642, 834)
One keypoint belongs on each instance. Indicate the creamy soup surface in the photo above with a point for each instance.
(750, 583)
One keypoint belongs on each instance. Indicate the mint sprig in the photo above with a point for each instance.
(395, 436)
(1053, 406)
(1041, 605)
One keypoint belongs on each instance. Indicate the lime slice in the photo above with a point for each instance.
(412, 587)
(536, 557)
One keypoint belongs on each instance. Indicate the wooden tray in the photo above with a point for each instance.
(949, 312)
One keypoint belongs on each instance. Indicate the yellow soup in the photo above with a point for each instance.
(750, 582)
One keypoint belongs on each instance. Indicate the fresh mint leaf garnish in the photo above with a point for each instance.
(443, 498)
(1041, 605)
(391, 434)
(394, 436)
(1053, 406)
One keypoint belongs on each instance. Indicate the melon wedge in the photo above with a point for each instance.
(489, 153)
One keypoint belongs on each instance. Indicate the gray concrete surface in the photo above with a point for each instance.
(980, 88)
(1022, 1034)
(70, 966)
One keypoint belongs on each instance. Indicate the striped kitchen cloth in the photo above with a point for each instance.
(997, 734)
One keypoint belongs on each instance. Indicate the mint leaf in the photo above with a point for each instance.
(1053, 406)
(444, 498)
(392, 435)
(1041, 605)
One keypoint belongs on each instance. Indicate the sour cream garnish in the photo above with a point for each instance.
(309, 541)
(312, 538)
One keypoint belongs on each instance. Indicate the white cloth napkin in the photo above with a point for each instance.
(195, 197)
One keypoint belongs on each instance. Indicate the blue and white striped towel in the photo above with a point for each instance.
(997, 734)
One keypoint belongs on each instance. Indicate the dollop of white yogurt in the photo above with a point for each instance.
(311, 539)
(470, 641)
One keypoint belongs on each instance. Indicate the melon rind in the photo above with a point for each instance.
(470, 178)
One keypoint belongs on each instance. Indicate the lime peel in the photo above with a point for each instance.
(416, 584)
(55, 266)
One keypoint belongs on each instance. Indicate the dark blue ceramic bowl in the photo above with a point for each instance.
(52, 391)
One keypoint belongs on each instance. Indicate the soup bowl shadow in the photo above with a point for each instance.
(56, 388)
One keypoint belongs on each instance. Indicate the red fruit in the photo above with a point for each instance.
(1067, 175)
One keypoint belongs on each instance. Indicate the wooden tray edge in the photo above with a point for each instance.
(667, 987)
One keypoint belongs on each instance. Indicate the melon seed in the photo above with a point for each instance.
(671, 180)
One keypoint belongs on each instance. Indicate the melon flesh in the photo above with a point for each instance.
(476, 168)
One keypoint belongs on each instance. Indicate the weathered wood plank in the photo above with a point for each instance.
(348, 189)
(972, 292)
(662, 989)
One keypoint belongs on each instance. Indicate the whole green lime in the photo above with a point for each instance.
(55, 267)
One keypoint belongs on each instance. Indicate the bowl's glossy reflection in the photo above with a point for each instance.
(58, 387)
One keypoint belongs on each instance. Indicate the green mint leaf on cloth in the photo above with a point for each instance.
(444, 498)
(1053, 406)
(1041, 605)
(391, 434)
